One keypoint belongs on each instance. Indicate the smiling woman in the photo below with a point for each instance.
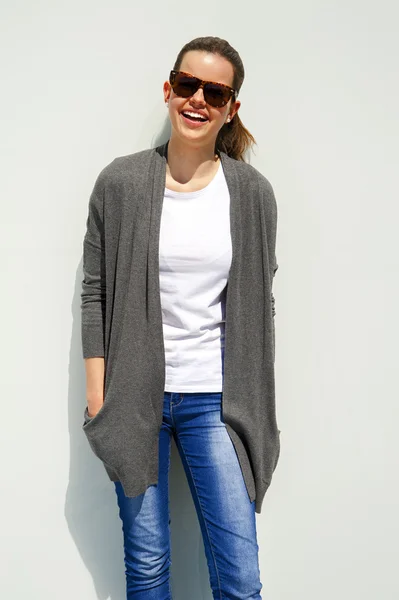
(206, 79)
(178, 329)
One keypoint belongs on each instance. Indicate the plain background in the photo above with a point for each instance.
(81, 84)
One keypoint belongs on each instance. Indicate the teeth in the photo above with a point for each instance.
(193, 114)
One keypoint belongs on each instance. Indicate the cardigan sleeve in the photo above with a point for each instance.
(271, 214)
(273, 264)
(93, 284)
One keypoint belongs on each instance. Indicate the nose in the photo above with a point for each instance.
(199, 96)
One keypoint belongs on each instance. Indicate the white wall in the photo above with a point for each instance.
(321, 98)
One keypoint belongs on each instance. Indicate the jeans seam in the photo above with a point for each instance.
(175, 404)
(203, 516)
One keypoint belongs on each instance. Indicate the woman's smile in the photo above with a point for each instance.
(192, 122)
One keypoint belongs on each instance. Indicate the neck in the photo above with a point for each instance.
(186, 162)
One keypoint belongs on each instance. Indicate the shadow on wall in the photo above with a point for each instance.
(91, 508)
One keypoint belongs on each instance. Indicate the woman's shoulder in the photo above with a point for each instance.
(253, 178)
(126, 165)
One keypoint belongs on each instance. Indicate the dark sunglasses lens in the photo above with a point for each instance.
(216, 95)
(184, 86)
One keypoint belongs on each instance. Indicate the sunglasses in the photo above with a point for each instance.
(185, 85)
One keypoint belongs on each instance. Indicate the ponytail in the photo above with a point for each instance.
(234, 139)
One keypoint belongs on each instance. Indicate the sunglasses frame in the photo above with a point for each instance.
(201, 84)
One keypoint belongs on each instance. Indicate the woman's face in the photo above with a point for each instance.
(207, 66)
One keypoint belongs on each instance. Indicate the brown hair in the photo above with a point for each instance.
(233, 138)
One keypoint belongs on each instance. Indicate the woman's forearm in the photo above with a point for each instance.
(95, 368)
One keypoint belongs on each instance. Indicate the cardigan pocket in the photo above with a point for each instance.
(97, 430)
(87, 418)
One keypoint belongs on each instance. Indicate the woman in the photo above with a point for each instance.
(178, 329)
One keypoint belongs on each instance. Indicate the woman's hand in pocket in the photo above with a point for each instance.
(93, 406)
(94, 384)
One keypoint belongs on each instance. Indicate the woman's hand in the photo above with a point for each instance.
(94, 384)
(93, 406)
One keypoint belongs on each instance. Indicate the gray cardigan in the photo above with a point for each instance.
(122, 320)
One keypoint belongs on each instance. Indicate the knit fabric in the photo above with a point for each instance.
(122, 320)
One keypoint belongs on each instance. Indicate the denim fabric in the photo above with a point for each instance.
(225, 512)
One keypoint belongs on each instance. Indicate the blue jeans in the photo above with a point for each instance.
(225, 512)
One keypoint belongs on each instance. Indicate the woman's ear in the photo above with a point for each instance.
(234, 109)
(166, 91)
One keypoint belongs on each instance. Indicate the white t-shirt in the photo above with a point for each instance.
(195, 253)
